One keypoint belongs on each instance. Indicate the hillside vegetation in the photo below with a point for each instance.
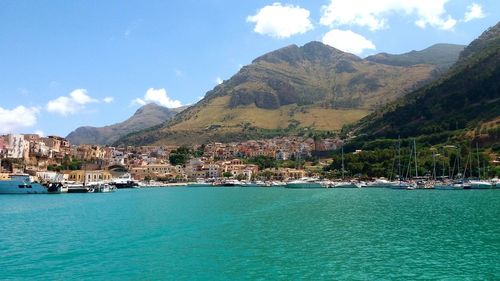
(467, 96)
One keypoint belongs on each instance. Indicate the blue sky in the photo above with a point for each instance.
(65, 64)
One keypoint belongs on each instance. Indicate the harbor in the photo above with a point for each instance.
(178, 233)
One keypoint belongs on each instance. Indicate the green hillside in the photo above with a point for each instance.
(442, 55)
(463, 99)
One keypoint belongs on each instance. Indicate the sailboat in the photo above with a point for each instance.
(479, 184)
(449, 184)
(343, 183)
(404, 184)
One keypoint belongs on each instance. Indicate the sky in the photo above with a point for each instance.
(71, 63)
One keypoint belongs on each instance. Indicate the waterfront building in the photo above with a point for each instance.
(89, 176)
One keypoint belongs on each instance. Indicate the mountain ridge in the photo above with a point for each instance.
(145, 117)
(312, 87)
(442, 54)
(465, 97)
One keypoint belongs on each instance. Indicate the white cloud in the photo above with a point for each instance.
(15, 119)
(40, 133)
(219, 80)
(66, 105)
(474, 11)
(158, 96)
(347, 41)
(281, 21)
(373, 14)
(108, 99)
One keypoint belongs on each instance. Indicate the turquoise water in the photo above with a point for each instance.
(252, 234)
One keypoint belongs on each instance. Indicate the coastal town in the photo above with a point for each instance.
(304, 162)
(46, 157)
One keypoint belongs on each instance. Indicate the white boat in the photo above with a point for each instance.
(125, 181)
(381, 183)
(449, 186)
(101, 188)
(479, 184)
(21, 184)
(345, 184)
(57, 188)
(304, 183)
(404, 185)
(78, 188)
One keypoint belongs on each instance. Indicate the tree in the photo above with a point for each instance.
(227, 174)
(241, 177)
(178, 159)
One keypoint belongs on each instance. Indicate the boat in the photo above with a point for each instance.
(101, 188)
(345, 184)
(56, 188)
(21, 184)
(480, 184)
(381, 183)
(404, 185)
(79, 188)
(125, 181)
(457, 185)
(304, 183)
(199, 184)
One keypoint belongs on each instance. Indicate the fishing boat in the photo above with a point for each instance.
(21, 184)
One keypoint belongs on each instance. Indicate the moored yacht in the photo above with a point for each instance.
(304, 183)
(345, 184)
(480, 184)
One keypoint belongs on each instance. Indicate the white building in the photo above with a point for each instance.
(16, 146)
(213, 170)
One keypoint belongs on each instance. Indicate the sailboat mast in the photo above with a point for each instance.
(342, 161)
(416, 166)
(399, 158)
(478, 164)
(434, 164)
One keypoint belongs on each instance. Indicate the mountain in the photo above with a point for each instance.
(442, 55)
(313, 87)
(465, 98)
(145, 117)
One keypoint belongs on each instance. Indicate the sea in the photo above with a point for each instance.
(252, 234)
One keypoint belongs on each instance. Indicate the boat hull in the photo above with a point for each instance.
(20, 187)
(307, 185)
